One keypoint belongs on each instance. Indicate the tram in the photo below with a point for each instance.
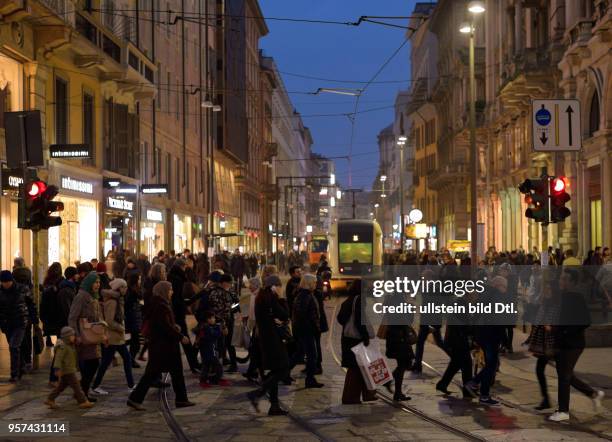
(355, 249)
(317, 246)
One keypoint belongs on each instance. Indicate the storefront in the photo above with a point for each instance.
(227, 232)
(77, 239)
(119, 223)
(14, 242)
(182, 232)
(152, 231)
(198, 242)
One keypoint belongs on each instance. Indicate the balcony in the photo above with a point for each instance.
(577, 41)
(448, 176)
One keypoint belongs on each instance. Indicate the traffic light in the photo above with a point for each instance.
(36, 206)
(536, 196)
(558, 198)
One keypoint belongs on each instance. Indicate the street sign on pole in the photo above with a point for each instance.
(556, 125)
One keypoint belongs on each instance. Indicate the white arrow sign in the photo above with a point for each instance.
(556, 125)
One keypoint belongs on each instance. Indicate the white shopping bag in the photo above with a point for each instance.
(372, 364)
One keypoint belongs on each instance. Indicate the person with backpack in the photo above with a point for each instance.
(49, 307)
(113, 312)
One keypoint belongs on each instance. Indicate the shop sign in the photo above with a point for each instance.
(75, 185)
(11, 179)
(70, 151)
(120, 204)
(155, 215)
(154, 189)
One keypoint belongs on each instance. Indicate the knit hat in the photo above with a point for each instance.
(117, 284)
(88, 282)
(101, 267)
(272, 280)
(162, 289)
(67, 332)
(215, 276)
(6, 276)
(70, 272)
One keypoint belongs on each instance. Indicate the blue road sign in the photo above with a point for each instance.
(543, 116)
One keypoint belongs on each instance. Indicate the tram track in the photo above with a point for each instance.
(402, 406)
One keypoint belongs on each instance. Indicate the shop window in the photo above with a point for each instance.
(594, 116)
(61, 111)
(88, 125)
(596, 231)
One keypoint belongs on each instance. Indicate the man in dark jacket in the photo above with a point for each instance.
(177, 278)
(13, 318)
(574, 319)
(238, 269)
(23, 276)
(295, 273)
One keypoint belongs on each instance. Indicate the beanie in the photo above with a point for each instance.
(88, 282)
(272, 280)
(67, 332)
(70, 272)
(6, 276)
(101, 267)
(117, 284)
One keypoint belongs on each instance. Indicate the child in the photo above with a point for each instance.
(66, 368)
(210, 333)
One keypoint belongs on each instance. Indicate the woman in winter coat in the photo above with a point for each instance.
(164, 336)
(353, 333)
(323, 326)
(156, 274)
(306, 323)
(133, 315)
(86, 305)
(272, 318)
(114, 302)
(49, 307)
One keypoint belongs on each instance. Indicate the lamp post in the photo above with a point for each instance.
(401, 142)
(475, 8)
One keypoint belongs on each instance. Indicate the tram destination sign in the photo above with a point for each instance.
(70, 151)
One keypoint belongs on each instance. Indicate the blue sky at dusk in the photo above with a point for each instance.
(340, 53)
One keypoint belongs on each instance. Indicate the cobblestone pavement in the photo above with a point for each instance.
(225, 414)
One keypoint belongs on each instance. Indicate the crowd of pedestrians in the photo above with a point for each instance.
(140, 310)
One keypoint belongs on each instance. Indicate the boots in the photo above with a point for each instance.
(276, 410)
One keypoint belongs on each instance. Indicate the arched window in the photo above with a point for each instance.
(594, 115)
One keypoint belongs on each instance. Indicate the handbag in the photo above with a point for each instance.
(92, 333)
(351, 329)
(39, 341)
(411, 336)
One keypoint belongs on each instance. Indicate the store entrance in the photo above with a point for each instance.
(113, 235)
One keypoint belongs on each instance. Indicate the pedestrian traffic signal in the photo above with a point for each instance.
(36, 207)
(536, 196)
(558, 198)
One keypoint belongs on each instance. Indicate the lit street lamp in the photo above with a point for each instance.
(475, 8)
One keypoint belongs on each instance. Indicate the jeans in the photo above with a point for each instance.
(486, 376)
(209, 365)
(15, 339)
(108, 353)
(150, 376)
(424, 331)
(88, 369)
(460, 359)
(566, 360)
(307, 346)
(134, 344)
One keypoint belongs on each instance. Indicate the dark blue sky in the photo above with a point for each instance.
(343, 53)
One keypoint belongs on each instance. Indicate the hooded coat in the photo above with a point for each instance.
(114, 316)
(86, 305)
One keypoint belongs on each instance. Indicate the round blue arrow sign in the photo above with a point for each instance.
(543, 116)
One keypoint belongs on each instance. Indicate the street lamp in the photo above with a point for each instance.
(383, 178)
(475, 8)
(376, 206)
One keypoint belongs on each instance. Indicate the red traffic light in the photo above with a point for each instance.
(35, 188)
(558, 185)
